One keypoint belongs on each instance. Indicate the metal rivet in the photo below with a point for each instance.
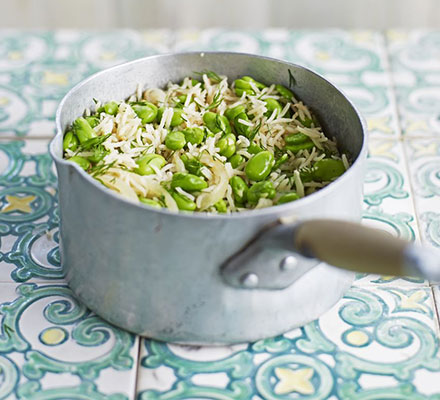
(288, 263)
(249, 280)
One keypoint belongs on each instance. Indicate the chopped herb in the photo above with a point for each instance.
(215, 101)
(219, 123)
(215, 78)
(100, 169)
(93, 142)
(292, 80)
(254, 132)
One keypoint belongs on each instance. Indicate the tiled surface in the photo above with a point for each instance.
(415, 59)
(380, 341)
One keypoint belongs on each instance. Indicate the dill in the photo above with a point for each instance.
(215, 101)
(100, 169)
(254, 132)
(93, 142)
(292, 80)
(214, 77)
(219, 123)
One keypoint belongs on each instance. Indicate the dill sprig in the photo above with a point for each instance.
(93, 142)
(214, 77)
(100, 168)
(254, 132)
(215, 101)
(292, 80)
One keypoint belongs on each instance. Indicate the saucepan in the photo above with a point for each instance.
(200, 278)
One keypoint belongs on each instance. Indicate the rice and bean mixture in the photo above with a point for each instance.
(205, 145)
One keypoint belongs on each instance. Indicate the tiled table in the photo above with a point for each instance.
(380, 342)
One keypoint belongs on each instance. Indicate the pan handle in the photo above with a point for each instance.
(271, 260)
(359, 248)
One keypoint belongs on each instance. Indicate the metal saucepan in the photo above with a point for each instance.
(199, 278)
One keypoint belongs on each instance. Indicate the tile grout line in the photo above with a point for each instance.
(436, 310)
(137, 368)
(401, 138)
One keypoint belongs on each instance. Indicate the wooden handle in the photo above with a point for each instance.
(352, 246)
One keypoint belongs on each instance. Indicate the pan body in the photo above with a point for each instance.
(157, 273)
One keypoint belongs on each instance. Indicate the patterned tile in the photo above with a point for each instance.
(416, 70)
(37, 69)
(375, 343)
(388, 202)
(380, 341)
(356, 61)
(424, 162)
(53, 347)
(28, 213)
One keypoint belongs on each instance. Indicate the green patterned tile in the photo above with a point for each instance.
(376, 343)
(424, 162)
(354, 60)
(52, 347)
(416, 69)
(28, 213)
(388, 202)
(37, 69)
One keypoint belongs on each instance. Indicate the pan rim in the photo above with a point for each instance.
(286, 209)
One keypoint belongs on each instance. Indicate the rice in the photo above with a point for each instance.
(124, 142)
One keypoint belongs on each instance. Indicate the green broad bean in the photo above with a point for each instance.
(70, 141)
(280, 161)
(194, 135)
(259, 85)
(263, 189)
(175, 140)
(216, 123)
(296, 138)
(176, 119)
(272, 105)
(192, 165)
(227, 145)
(308, 122)
(239, 189)
(240, 128)
(221, 206)
(92, 120)
(254, 148)
(295, 148)
(236, 160)
(241, 86)
(146, 162)
(83, 130)
(208, 133)
(328, 169)
(231, 113)
(188, 182)
(110, 108)
(99, 152)
(183, 203)
(259, 166)
(287, 197)
(284, 92)
(306, 175)
(149, 202)
(147, 112)
(298, 141)
(81, 161)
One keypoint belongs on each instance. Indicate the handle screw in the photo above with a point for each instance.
(249, 280)
(288, 263)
